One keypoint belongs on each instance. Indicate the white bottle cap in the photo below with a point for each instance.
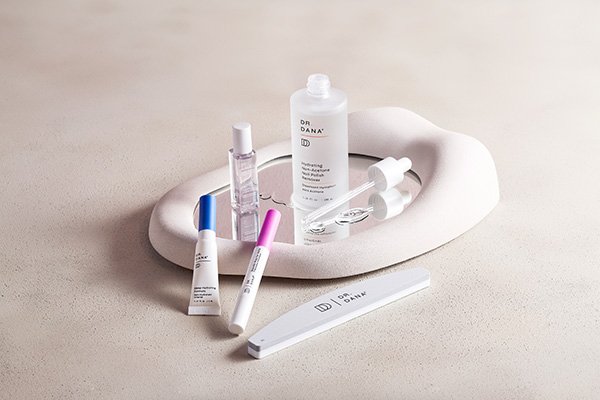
(242, 138)
(388, 204)
(318, 85)
(388, 172)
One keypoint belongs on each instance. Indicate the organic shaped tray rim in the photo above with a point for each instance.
(459, 188)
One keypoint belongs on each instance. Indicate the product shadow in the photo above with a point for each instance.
(139, 269)
(240, 354)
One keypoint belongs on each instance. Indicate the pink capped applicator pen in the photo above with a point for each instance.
(256, 267)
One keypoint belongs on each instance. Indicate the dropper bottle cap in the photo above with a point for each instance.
(388, 172)
(242, 138)
(388, 204)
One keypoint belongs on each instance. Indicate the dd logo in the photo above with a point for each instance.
(323, 307)
(304, 142)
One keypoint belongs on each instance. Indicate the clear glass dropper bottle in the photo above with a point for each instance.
(244, 184)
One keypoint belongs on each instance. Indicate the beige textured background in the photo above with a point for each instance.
(105, 105)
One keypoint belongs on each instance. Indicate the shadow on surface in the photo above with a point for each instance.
(138, 268)
(216, 327)
(240, 354)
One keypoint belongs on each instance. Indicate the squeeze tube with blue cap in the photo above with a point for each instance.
(204, 298)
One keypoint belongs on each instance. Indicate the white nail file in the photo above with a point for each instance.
(334, 308)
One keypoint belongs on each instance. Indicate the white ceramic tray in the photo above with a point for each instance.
(459, 187)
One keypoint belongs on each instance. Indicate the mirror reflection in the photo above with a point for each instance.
(275, 185)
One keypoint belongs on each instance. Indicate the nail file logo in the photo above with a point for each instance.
(341, 299)
(304, 142)
(323, 307)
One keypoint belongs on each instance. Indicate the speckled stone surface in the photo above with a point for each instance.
(106, 105)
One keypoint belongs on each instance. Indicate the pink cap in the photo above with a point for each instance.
(269, 228)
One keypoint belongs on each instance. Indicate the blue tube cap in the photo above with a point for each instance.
(207, 214)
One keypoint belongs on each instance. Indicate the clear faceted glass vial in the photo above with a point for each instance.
(244, 185)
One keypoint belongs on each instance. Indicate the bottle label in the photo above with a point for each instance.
(205, 284)
(321, 170)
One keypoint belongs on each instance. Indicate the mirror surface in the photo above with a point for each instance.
(275, 184)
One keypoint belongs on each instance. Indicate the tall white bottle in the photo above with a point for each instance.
(319, 118)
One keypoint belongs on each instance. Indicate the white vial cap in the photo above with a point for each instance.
(388, 172)
(318, 85)
(388, 204)
(242, 138)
